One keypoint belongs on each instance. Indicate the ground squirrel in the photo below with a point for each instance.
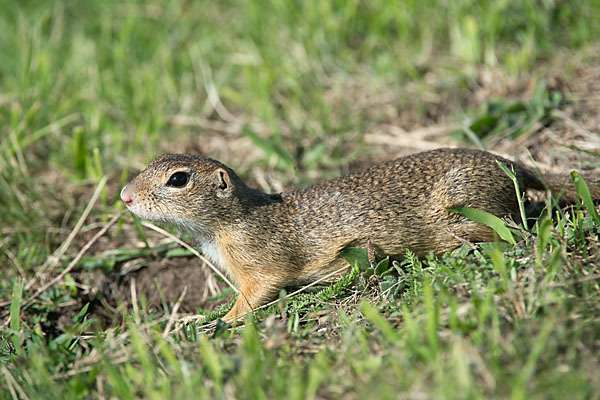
(266, 242)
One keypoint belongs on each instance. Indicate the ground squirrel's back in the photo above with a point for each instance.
(266, 242)
(401, 204)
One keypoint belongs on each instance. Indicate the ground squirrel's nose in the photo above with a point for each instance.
(126, 195)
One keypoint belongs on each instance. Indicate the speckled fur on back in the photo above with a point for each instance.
(266, 242)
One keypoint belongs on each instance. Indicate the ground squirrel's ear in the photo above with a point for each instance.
(224, 185)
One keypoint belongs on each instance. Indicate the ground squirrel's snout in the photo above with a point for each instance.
(126, 194)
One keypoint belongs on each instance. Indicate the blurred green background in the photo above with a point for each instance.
(121, 72)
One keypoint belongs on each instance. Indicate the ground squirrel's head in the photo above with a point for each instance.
(191, 192)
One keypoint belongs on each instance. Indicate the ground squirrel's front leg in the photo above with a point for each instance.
(239, 309)
(253, 293)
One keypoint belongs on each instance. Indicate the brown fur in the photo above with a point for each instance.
(267, 242)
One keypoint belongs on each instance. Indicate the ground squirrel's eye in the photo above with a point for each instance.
(178, 179)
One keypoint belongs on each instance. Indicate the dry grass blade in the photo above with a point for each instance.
(303, 288)
(424, 138)
(213, 101)
(114, 350)
(75, 260)
(588, 278)
(55, 257)
(174, 313)
(134, 301)
(194, 252)
(13, 385)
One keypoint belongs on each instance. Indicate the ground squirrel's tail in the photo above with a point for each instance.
(562, 184)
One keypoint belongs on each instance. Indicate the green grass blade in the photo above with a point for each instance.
(15, 313)
(500, 266)
(485, 218)
(140, 230)
(270, 148)
(80, 152)
(584, 193)
(511, 174)
(211, 361)
(371, 313)
(15, 306)
(431, 312)
(544, 229)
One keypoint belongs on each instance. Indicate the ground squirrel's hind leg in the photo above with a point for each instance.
(461, 188)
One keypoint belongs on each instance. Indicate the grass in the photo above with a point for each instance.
(287, 93)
